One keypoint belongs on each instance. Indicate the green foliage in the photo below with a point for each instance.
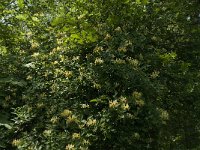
(99, 75)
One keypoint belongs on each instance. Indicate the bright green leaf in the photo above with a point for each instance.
(22, 17)
(20, 3)
(56, 21)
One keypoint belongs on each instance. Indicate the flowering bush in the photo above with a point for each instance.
(98, 75)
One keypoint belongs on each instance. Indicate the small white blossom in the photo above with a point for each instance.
(98, 61)
(70, 147)
(91, 122)
(113, 104)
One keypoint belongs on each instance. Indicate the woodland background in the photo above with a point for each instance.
(99, 74)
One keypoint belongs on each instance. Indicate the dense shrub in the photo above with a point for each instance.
(99, 74)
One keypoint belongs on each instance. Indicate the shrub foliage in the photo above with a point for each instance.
(86, 74)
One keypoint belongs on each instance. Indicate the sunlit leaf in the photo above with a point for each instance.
(20, 3)
(22, 17)
(56, 21)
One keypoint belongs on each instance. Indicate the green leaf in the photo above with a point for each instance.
(56, 21)
(6, 125)
(4, 120)
(35, 19)
(168, 56)
(138, 2)
(13, 81)
(20, 3)
(3, 50)
(22, 17)
(94, 100)
(145, 1)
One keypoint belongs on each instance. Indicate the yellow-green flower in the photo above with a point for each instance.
(29, 77)
(123, 99)
(98, 61)
(108, 37)
(71, 119)
(47, 132)
(155, 74)
(113, 104)
(54, 119)
(140, 102)
(86, 142)
(66, 113)
(125, 107)
(16, 142)
(91, 122)
(68, 74)
(137, 95)
(75, 135)
(85, 106)
(70, 147)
